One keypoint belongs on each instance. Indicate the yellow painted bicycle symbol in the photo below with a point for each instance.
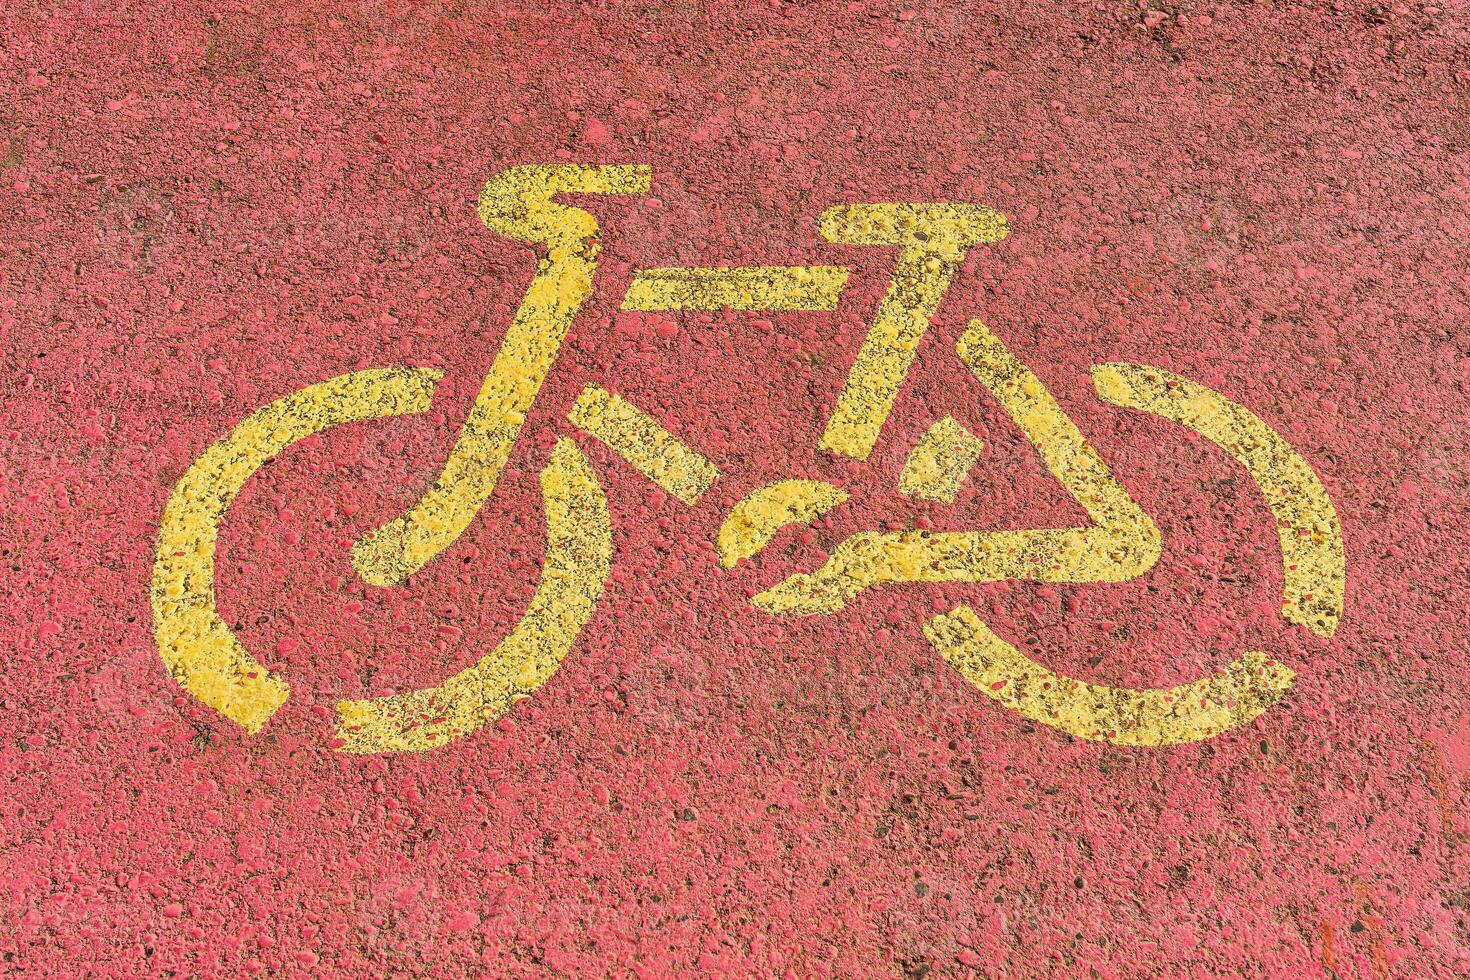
(1120, 543)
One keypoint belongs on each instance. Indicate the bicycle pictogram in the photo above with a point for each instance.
(1120, 543)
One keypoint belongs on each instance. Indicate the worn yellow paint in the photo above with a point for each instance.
(195, 643)
(761, 513)
(649, 447)
(1123, 716)
(1312, 552)
(578, 556)
(933, 239)
(1122, 544)
(516, 203)
(939, 464)
(815, 287)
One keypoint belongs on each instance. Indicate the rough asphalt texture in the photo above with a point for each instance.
(204, 207)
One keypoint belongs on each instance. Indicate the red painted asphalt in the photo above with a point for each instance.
(203, 208)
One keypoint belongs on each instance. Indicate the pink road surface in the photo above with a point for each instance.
(206, 207)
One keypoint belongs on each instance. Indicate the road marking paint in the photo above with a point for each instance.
(933, 240)
(647, 446)
(1123, 716)
(197, 645)
(578, 557)
(202, 653)
(940, 463)
(1312, 553)
(815, 287)
(760, 514)
(1122, 544)
(517, 204)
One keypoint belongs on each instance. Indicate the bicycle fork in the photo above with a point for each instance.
(518, 205)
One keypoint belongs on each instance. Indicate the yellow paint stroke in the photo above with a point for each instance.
(941, 461)
(1311, 538)
(649, 447)
(516, 203)
(933, 240)
(816, 287)
(760, 514)
(1123, 716)
(578, 556)
(195, 643)
(1122, 544)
